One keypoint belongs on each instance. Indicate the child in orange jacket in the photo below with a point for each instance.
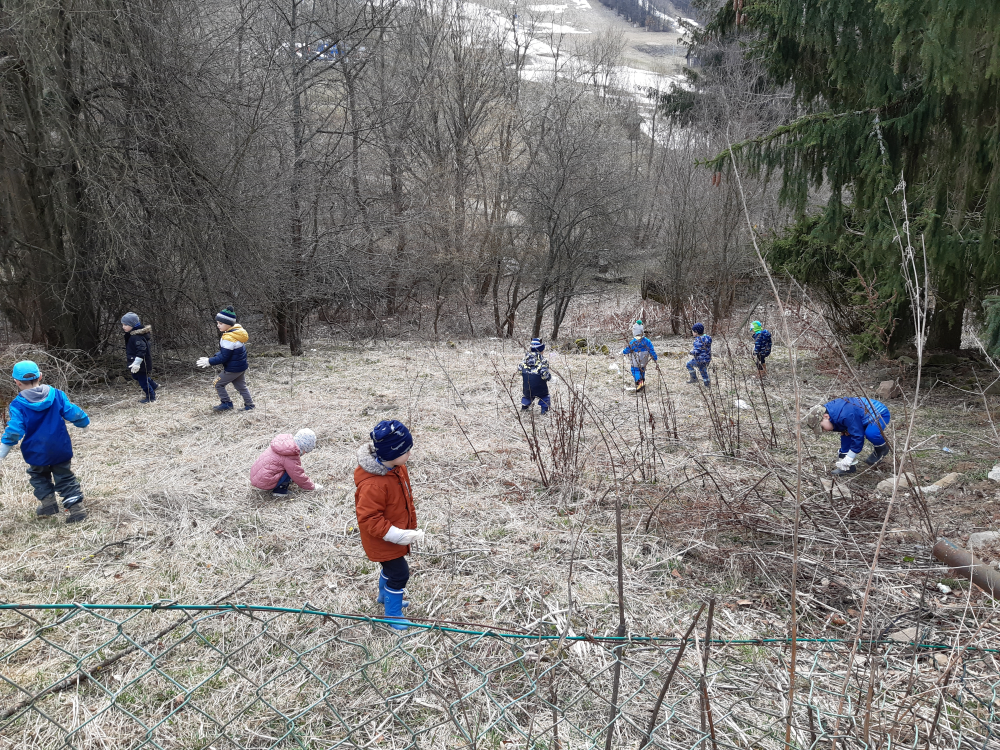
(387, 518)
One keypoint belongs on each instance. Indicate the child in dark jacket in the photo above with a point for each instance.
(639, 351)
(38, 415)
(701, 354)
(387, 517)
(761, 345)
(535, 377)
(232, 355)
(139, 355)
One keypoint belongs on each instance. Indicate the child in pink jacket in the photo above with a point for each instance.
(280, 464)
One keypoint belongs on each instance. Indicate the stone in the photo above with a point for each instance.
(581, 343)
(948, 480)
(906, 481)
(906, 635)
(837, 490)
(983, 538)
(995, 473)
(888, 389)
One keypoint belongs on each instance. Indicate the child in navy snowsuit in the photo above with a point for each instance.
(139, 355)
(857, 420)
(39, 414)
(761, 345)
(639, 350)
(535, 377)
(701, 354)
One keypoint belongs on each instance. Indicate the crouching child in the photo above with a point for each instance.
(387, 517)
(535, 377)
(281, 464)
(38, 417)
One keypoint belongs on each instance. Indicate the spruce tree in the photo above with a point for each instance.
(888, 89)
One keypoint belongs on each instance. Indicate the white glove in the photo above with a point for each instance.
(847, 461)
(316, 488)
(136, 364)
(4, 450)
(403, 536)
(202, 362)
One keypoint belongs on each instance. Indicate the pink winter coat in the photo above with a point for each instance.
(282, 456)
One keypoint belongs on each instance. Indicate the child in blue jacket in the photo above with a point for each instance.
(535, 377)
(857, 420)
(639, 351)
(701, 354)
(761, 345)
(38, 415)
(232, 355)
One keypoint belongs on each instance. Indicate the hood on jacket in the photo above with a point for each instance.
(234, 337)
(38, 398)
(368, 462)
(140, 331)
(284, 445)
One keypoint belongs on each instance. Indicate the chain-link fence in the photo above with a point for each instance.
(238, 676)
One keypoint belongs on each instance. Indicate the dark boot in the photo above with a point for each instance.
(47, 506)
(224, 406)
(708, 382)
(694, 378)
(878, 453)
(77, 512)
(842, 472)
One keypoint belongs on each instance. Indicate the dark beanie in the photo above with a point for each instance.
(131, 319)
(698, 328)
(227, 316)
(537, 345)
(391, 439)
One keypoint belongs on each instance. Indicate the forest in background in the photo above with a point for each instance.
(440, 167)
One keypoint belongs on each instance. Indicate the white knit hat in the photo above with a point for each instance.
(637, 329)
(305, 439)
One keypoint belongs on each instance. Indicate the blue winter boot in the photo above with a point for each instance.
(381, 590)
(224, 406)
(394, 609)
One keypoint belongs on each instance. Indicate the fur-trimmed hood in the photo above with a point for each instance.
(368, 462)
(144, 331)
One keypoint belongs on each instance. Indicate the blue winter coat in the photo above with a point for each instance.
(702, 349)
(851, 416)
(640, 351)
(534, 375)
(42, 424)
(762, 343)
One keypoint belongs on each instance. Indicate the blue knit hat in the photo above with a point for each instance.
(26, 371)
(698, 328)
(131, 319)
(537, 345)
(226, 316)
(391, 439)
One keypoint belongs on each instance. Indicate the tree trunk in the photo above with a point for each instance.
(946, 326)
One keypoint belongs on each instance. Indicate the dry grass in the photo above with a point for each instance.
(173, 516)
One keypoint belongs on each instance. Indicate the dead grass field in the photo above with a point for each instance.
(172, 515)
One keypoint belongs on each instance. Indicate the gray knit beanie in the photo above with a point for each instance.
(131, 319)
(305, 439)
(637, 329)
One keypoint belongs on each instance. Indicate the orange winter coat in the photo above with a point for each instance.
(383, 498)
